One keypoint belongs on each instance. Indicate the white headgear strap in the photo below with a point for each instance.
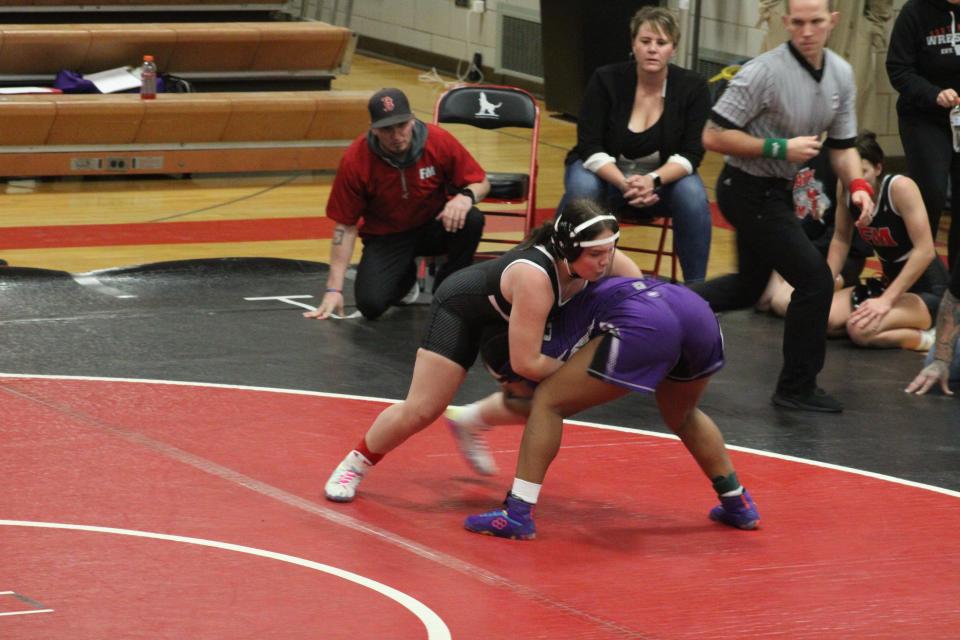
(596, 243)
(588, 223)
(592, 221)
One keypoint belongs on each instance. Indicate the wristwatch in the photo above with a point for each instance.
(470, 194)
(657, 182)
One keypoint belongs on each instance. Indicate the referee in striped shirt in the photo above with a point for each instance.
(769, 122)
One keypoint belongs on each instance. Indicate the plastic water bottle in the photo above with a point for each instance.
(955, 127)
(148, 79)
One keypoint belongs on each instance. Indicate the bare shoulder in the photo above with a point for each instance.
(529, 290)
(522, 274)
(906, 198)
(904, 188)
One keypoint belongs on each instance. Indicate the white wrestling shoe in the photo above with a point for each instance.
(471, 443)
(343, 482)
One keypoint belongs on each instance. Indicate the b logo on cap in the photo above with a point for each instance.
(388, 104)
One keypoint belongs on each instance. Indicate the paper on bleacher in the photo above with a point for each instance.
(12, 91)
(114, 80)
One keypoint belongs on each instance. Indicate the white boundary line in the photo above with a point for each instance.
(593, 425)
(436, 629)
(23, 613)
(21, 598)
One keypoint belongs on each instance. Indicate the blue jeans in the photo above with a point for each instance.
(684, 200)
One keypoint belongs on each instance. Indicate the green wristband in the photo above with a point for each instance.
(775, 148)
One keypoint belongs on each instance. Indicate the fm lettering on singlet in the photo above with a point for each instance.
(877, 237)
(427, 172)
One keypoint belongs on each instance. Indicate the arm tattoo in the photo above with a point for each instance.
(948, 327)
(337, 235)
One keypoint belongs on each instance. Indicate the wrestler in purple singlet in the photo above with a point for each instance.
(651, 330)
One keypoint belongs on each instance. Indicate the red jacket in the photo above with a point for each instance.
(391, 200)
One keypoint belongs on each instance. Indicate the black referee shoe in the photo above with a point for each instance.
(814, 400)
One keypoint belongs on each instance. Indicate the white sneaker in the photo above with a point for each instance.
(472, 444)
(412, 295)
(343, 482)
(926, 339)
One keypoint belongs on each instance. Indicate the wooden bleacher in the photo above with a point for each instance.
(56, 135)
(213, 52)
(26, 6)
(250, 130)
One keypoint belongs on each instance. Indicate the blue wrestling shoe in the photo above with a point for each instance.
(513, 521)
(737, 511)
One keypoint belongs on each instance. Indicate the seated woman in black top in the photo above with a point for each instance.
(639, 140)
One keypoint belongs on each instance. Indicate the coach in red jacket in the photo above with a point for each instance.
(399, 178)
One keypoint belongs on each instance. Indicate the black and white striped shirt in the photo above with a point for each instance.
(779, 95)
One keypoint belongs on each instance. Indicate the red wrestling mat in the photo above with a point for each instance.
(105, 235)
(149, 233)
(186, 511)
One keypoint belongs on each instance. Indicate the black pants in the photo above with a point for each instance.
(387, 269)
(769, 237)
(928, 147)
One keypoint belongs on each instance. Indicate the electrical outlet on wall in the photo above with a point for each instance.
(462, 3)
